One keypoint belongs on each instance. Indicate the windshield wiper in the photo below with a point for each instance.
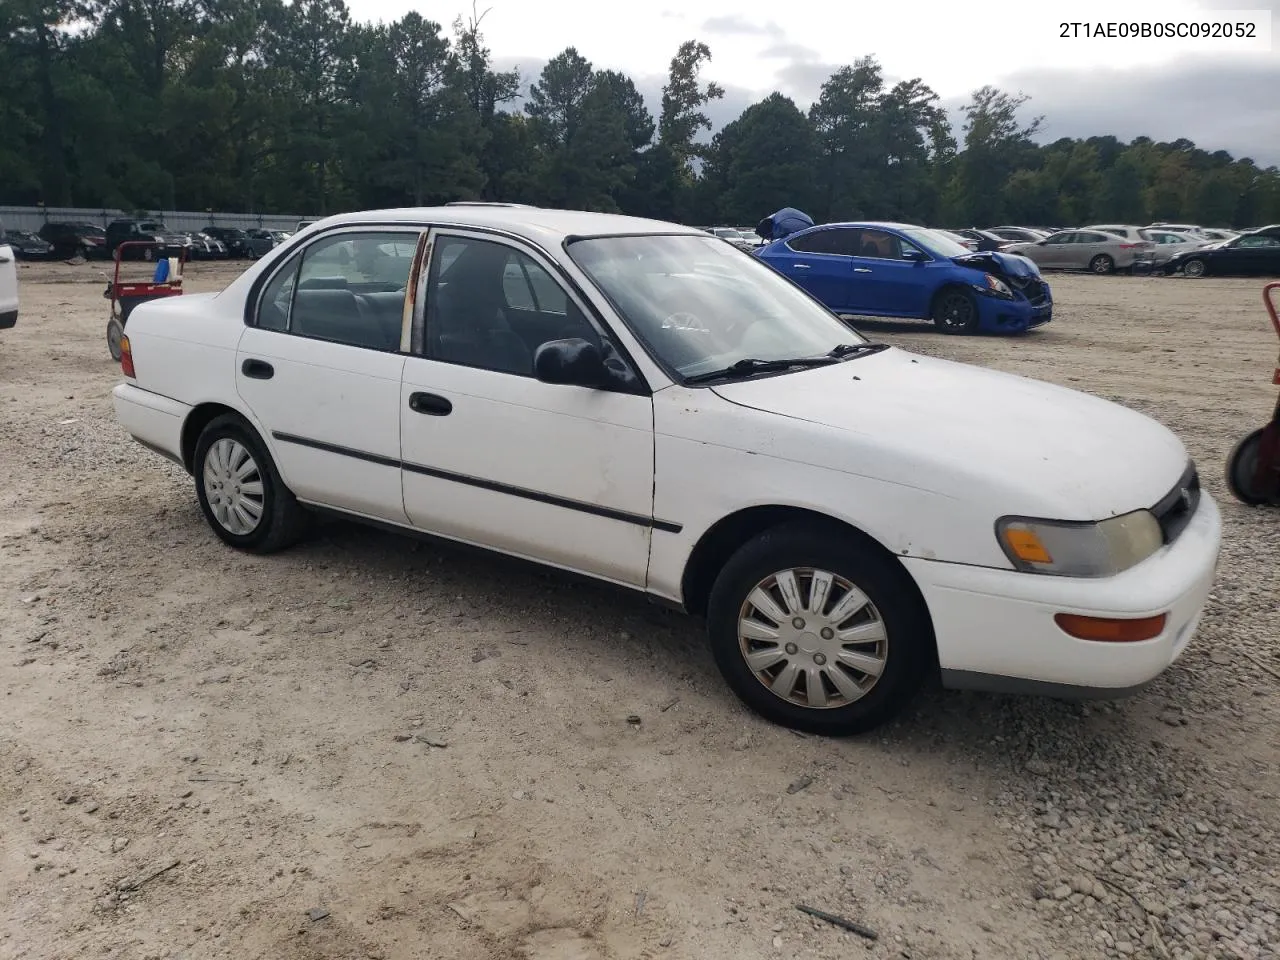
(860, 349)
(749, 365)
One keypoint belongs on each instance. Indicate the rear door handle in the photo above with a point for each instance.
(431, 404)
(257, 369)
(800, 266)
(861, 269)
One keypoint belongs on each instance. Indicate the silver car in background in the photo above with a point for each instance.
(1092, 250)
(1170, 243)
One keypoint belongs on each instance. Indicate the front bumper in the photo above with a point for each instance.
(995, 628)
(998, 315)
(153, 420)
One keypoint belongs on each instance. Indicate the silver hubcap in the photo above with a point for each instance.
(1193, 268)
(1101, 265)
(233, 486)
(813, 638)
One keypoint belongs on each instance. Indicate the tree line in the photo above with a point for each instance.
(265, 106)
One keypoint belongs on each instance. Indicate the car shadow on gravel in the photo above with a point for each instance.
(623, 631)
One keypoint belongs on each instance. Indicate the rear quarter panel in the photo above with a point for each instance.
(184, 347)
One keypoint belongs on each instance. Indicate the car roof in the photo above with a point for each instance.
(877, 224)
(532, 223)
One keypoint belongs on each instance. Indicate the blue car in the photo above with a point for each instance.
(899, 270)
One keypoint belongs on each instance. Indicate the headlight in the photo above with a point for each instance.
(1072, 549)
(994, 286)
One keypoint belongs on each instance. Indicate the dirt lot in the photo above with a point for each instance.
(433, 747)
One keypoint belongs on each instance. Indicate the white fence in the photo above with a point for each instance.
(33, 218)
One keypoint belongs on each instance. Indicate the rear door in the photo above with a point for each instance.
(8, 288)
(320, 367)
(819, 261)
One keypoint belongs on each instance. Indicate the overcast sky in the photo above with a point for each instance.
(1222, 94)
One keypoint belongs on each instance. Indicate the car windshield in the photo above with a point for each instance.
(700, 304)
(935, 242)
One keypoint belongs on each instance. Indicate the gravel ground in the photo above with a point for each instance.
(372, 747)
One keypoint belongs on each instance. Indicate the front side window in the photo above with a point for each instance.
(699, 305)
(1259, 242)
(934, 242)
(491, 306)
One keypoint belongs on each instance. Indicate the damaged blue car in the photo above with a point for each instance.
(900, 270)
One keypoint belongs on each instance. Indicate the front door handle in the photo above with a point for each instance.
(800, 266)
(431, 404)
(861, 269)
(258, 369)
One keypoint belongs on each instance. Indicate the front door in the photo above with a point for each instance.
(321, 368)
(492, 456)
(888, 284)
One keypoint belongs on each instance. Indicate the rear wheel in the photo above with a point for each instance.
(815, 631)
(1193, 268)
(240, 491)
(955, 311)
(1242, 464)
(1102, 264)
(115, 330)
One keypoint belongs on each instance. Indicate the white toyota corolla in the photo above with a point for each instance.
(646, 404)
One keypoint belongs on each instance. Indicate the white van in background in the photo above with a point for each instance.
(8, 287)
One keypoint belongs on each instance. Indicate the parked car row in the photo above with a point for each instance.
(744, 238)
(65, 240)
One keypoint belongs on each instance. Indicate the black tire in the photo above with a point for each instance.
(1240, 469)
(1195, 268)
(1102, 264)
(909, 650)
(955, 311)
(115, 330)
(283, 520)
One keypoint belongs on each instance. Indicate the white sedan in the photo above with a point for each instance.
(645, 404)
(8, 287)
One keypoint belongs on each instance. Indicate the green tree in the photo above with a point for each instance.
(996, 143)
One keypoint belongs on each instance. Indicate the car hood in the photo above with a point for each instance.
(973, 433)
(996, 262)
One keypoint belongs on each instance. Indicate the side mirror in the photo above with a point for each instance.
(917, 256)
(572, 361)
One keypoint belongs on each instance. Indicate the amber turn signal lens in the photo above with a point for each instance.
(1109, 630)
(1026, 546)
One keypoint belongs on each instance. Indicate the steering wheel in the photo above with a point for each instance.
(684, 322)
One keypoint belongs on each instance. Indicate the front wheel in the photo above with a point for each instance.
(1102, 264)
(240, 491)
(1193, 268)
(815, 631)
(1242, 468)
(955, 311)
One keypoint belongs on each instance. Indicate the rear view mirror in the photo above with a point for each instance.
(572, 361)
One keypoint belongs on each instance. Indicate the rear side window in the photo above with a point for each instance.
(841, 242)
(351, 287)
(277, 298)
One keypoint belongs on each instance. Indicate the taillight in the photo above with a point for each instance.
(126, 358)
